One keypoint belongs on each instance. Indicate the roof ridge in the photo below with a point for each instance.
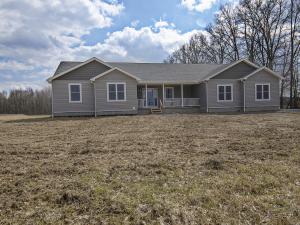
(219, 64)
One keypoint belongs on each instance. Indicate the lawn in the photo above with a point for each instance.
(153, 169)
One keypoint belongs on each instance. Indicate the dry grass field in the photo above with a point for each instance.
(154, 169)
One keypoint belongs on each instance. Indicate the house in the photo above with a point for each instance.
(94, 87)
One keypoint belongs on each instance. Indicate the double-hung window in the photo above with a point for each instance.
(75, 93)
(116, 92)
(262, 92)
(225, 92)
(169, 92)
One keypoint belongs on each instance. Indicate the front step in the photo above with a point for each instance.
(153, 111)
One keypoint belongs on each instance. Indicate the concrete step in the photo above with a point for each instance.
(156, 111)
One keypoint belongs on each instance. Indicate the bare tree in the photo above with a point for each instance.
(294, 19)
(265, 32)
(26, 101)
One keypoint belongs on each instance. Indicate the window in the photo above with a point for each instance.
(75, 93)
(224, 92)
(169, 92)
(262, 92)
(116, 92)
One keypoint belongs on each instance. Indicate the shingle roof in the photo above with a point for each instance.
(168, 72)
(65, 65)
(158, 72)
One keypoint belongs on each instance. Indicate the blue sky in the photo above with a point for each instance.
(33, 41)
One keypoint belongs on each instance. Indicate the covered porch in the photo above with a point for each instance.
(168, 95)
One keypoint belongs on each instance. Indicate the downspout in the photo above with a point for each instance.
(95, 105)
(52, 101)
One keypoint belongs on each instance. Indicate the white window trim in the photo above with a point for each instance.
(218, 85)
(107, 92)
(168, 99)
(263, 99)
(70, 100)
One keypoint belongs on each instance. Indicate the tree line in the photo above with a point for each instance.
(26, 101)
(265, 32)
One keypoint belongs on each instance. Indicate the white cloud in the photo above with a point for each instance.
(37, 34)
(197, 5)
(33, 41)
(143, 45)
(49, 25)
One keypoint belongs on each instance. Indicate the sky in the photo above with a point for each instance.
(35, 35)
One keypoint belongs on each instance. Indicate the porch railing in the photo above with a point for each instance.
(174, 102)
(191, 102)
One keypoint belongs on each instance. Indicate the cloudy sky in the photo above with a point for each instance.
(36, 34)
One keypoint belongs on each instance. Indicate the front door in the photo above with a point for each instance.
(152, 96)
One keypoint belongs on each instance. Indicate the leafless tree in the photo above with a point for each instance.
(26, 101)
(265, 32)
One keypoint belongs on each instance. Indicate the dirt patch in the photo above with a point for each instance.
(165, 169)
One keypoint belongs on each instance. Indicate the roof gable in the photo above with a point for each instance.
(111, 70)
(262, 69)
(73, 66)
(229, 66)
(65, 65)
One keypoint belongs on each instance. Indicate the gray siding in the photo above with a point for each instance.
(236, 72)
(213, 94)
(120, 107)
(262, 77)
(61, 103)
(85, 72)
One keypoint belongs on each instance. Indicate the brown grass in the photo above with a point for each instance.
(169, 169)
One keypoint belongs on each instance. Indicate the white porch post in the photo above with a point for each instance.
(146, 94)
(163, 101)
(182, 95)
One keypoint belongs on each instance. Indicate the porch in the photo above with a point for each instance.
(168, 96)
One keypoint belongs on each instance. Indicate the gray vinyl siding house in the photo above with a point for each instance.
(94, 88)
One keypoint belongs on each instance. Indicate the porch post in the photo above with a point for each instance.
(163, 101)
(146, 94)
(182, 95)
